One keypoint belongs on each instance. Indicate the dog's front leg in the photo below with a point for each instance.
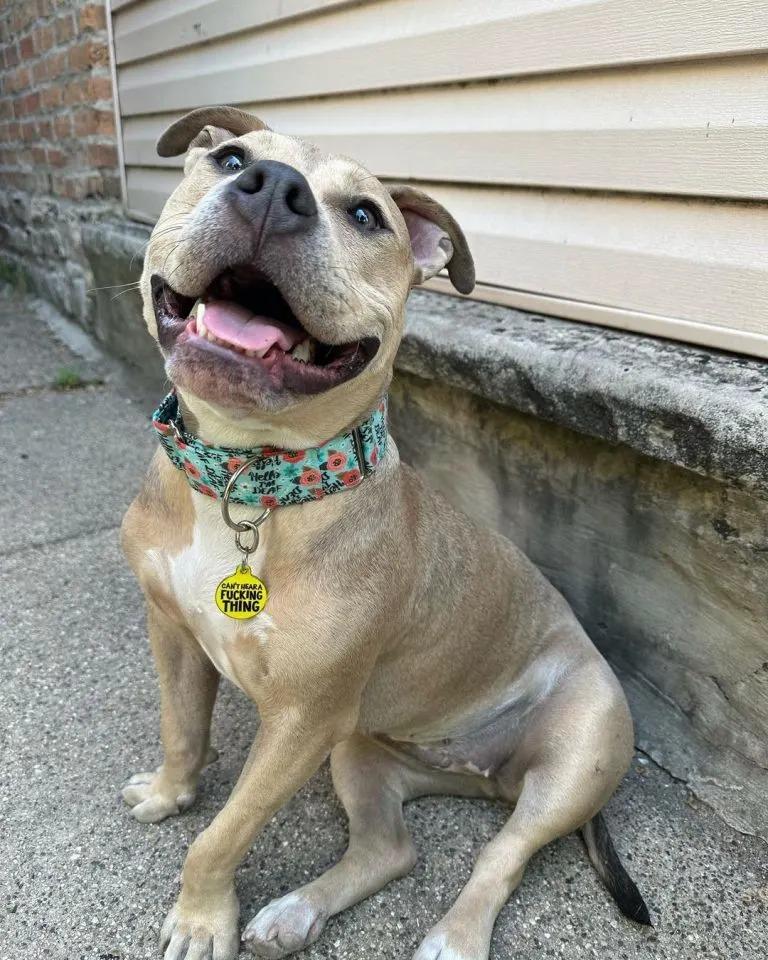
(290, 746)
(188, 685)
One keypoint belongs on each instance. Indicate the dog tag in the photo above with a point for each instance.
(241, 595)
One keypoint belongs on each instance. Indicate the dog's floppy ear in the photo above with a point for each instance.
(205, 127)
(436, 239)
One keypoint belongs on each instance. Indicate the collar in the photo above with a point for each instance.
(276, 477)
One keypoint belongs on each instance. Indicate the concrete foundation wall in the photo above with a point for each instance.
(666, 569)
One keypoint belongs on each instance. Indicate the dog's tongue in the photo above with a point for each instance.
(236, 325)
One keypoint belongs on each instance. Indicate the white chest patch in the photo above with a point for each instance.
(195, 573)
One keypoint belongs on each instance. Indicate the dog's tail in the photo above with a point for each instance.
(606, 861)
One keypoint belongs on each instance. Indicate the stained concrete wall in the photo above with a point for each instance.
(667, 570)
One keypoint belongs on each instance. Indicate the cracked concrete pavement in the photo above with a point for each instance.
(80, 880)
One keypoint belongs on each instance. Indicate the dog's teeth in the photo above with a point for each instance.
(302, 351)
(199, 325)
(250, 353)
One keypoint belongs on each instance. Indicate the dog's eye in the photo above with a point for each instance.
(231, 162)
(365, 216)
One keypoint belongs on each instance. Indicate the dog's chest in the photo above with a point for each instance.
(195, 573)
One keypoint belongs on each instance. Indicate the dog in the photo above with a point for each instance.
(423, 654)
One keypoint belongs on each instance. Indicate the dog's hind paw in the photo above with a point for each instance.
(151, 800)
(284, 926)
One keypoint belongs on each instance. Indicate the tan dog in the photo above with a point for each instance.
(423, 654)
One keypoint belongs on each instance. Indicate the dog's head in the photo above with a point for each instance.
(277, 275)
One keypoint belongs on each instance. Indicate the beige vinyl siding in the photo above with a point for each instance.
(608, 159)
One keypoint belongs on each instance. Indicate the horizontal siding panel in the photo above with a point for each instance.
(674, 129)
(698, 261)
(415, 42)
(158, 26)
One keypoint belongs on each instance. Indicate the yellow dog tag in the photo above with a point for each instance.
(241, 595)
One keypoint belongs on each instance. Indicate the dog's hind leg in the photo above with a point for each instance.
(372, 783)
(560, 778)
(188, 685)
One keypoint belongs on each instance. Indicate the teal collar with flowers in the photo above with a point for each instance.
(277, 477)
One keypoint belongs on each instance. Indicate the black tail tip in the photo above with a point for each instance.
(644, 916)
(631, 904)
(618, 882)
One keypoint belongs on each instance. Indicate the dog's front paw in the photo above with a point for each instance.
(155, 794)
(444, 943)
(209, 933)
(284, 926)
(152, 798)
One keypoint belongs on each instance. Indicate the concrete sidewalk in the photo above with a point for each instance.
(81, 880)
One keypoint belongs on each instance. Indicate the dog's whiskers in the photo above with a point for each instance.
(114, 286)
(170, 253)
(123, 293)
(178, 265)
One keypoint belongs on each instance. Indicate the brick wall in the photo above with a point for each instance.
(58, 155)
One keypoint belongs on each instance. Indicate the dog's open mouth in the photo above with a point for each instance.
(243, 321)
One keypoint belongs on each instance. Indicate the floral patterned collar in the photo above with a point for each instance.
(278, 477)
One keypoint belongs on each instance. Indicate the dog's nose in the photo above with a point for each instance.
(277, 195)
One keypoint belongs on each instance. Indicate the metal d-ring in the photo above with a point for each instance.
(242, 526)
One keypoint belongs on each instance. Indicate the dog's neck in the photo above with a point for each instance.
(217, 427)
